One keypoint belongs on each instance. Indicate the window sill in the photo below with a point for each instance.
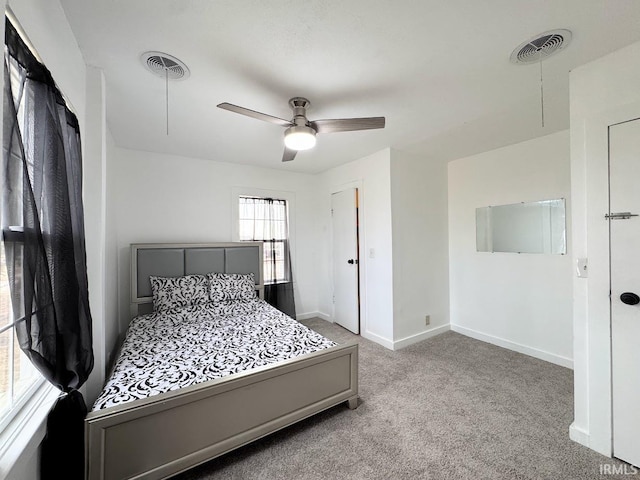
(20, 440)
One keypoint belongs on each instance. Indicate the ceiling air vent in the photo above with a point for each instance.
(541, 46)
(164, 65)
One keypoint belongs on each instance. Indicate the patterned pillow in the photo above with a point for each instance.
(177, 292)
(231, 286)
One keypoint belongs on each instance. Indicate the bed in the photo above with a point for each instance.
(169, 420)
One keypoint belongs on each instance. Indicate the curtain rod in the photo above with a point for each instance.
(268, 199)
(25, 38)
(27, 41)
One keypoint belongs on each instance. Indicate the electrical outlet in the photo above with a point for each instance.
(427, 319)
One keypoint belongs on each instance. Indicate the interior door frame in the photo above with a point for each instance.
(593, 405)
(611, 299)
(362, 261)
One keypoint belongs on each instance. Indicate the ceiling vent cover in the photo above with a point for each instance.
(541, 47)
(164, 65)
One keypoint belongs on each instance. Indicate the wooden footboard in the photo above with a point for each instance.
(171, 432)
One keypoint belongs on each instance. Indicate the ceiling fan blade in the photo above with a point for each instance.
(288, 154)
(347, 124)
(252, 113)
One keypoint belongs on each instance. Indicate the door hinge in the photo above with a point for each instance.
(334, 299)
(332, 212)
(620, 215)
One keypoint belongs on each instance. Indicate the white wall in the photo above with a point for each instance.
(167, 198)
(371, 175)
(420, 247)
(111, 327)
(158, 198)
(603, 92)
(47, 28)
(94, 197)
(519, 301)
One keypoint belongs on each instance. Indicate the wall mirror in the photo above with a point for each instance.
(531, 227)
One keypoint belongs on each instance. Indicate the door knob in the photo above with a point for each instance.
(630, 298)
(350, 261)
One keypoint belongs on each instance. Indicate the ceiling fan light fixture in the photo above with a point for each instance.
(300, 137)
(300, 133)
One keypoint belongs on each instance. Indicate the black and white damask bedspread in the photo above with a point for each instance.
(169, 350)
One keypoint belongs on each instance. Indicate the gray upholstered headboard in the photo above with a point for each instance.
(178, 259)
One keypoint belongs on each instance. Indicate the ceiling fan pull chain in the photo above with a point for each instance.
(539, 48)
(541, 93)
(167, 66)
(166, 76)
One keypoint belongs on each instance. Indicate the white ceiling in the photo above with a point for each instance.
(438, 70)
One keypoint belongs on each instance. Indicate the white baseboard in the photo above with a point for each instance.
(578, 435)
(385, 342)
(308, 315)
(516, 347)
(418, 337)
(368, 335)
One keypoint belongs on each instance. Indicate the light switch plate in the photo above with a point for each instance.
(581, 268)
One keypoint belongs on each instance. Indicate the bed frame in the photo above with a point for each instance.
(160, 436)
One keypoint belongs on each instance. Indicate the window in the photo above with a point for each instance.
(266, 220)
(42, 220)
(18, 377)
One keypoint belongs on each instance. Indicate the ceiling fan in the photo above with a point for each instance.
(301, 133)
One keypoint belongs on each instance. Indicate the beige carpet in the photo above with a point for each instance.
(447, 408)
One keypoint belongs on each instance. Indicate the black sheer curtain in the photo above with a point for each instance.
(43, 236)
(266, 220)
(280, 294)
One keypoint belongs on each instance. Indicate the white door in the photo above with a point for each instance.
(344, 212)
(624, 196)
